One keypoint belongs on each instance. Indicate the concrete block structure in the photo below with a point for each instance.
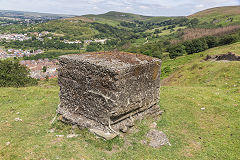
(108, 91)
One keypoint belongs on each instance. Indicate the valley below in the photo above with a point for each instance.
(199, 93)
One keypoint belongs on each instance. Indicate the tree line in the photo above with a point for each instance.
(201, 44)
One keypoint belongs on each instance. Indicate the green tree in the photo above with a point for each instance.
(176, 50)
(12, 74)
(44, 69)
(212, 41)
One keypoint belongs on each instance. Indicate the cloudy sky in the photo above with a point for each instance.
(144, 7)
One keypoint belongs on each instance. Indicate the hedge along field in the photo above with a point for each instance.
(212, 133)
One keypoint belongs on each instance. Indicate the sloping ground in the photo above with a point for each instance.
(207, 73)
(92, 18)
(114, 18)
(208, 133)
(79, 28)
(232, 10)
(193, 133)
(221, 15)
(79, 18)
(72, 28)
(194, 33)
(119, 16)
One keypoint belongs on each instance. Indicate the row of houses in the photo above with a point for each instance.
(86, 41)
(22, 37)
(41, 34)
(37, 70)
(96, 40)
(72, 42)
(14, 37)
(18, 53)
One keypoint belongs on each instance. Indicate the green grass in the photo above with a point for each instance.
(165, 32)
(194, 134)
(119, 16)
(221, 14)
(172, 65)
(73, 29)
(193, 70)
(212, 133)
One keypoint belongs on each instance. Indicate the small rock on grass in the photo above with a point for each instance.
(51, 130)
(60, 136)
(18, 119)
(153, 125)
(72, 135)
(105, 135)
(157, 138)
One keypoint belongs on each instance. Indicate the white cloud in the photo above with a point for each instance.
(199, 6)
(144, 7)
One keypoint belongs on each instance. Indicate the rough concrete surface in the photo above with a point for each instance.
(108, 91)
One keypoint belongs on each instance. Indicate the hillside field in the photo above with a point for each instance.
(224, 16)
(193, 84)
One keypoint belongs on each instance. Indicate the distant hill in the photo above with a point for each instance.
(120, 16)
(209, 18)
(229, 15)
(228, 10)
(23, 14)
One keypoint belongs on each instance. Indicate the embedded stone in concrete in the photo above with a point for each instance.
(106, 91)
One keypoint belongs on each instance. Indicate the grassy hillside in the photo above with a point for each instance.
(76, 29)
(224, 16)
(192, 70)
(114, 18)
(212, 133)
(126, 30)
(79, 29)
(119, 16)
(229, 10)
